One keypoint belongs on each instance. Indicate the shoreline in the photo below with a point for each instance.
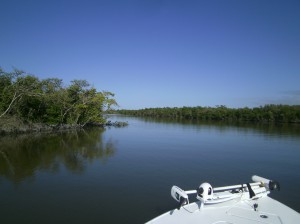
(17, 127)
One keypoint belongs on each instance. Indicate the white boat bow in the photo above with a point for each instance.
(244, 204)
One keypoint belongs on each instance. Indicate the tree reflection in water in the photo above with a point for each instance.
(21, 156)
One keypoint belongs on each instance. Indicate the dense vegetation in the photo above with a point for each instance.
(267, 113)
(29, 99)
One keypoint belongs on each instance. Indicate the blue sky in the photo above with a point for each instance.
(160, 53)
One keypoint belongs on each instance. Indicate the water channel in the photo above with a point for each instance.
(124, 175)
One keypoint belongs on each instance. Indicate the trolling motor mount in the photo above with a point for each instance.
(180, 196)
(205, 192)
(270, 184)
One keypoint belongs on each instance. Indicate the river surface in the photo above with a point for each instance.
(124, 175)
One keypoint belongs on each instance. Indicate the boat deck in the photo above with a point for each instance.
(268, 211)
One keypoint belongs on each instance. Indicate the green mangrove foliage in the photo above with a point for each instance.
(267, 113)
(48, 101)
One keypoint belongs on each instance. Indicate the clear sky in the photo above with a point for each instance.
(160, 53)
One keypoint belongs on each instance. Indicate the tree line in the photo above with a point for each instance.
(267, 113)
(49, 101)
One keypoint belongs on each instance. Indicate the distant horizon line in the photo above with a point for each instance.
(216, 106)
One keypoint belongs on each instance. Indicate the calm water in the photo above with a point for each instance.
(124, 175)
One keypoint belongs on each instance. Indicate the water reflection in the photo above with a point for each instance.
(21, 156)
(71, 185)
(274, 129)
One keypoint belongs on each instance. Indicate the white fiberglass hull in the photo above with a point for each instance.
(235, 211)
